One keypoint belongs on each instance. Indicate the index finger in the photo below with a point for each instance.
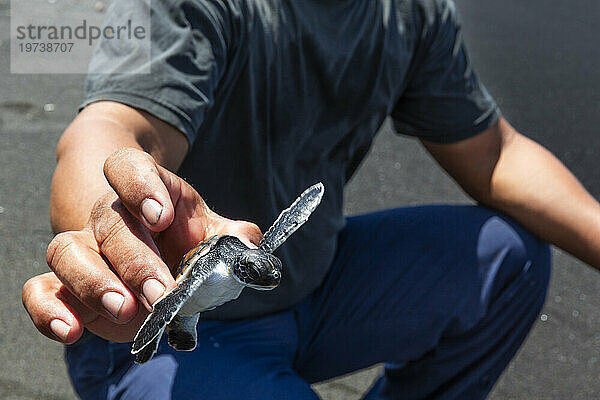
(144, 187)
(130, 249)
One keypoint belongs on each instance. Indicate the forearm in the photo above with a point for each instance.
(78, 179)
(535, 188)
(504, 170)
(100, 130)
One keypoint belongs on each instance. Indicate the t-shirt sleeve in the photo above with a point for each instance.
(444, 101)
(188, 43)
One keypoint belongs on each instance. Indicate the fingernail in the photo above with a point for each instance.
(153, 290)
(60, 328)
(113, 302)
(151, 210)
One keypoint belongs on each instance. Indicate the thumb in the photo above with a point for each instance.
(248, 232)
(147, 190)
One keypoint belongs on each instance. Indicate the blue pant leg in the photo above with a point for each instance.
(447, 293)
(247, 359)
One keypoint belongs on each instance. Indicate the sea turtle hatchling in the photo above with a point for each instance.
(215, 272)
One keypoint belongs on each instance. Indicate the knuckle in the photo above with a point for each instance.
(106, 218)
(28, 285)
(135, 270)
(108, 231)
(58, 247)
(115, 159)
(124, 157)
(102, 207)
(28, 290)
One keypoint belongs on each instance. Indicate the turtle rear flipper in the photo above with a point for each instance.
(182, 332)
(292, 218)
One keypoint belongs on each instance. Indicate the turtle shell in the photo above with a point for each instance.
(191, 257)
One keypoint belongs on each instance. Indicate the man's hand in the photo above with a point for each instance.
(126, 253)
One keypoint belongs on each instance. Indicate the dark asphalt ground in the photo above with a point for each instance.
(540, 60)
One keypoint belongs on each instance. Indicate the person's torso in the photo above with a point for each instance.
(306, 87)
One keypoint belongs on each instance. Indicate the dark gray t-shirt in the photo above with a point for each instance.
(276, 95)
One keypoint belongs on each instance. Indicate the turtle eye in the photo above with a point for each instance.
(246, 271)
(258, 270)
(253, 272)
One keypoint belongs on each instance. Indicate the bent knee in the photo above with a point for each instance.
(506, 251)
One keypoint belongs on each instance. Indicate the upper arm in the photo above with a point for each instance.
(189, 44)
(447, 107)
(472, 162)
(444, 100)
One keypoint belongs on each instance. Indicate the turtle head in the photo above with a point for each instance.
(257, 269)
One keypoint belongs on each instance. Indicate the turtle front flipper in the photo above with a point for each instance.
(182, 332)
(163, 312)
(146, 353)
(292, 218)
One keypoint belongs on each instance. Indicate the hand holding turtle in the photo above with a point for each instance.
(215, 272)
(101, 272)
